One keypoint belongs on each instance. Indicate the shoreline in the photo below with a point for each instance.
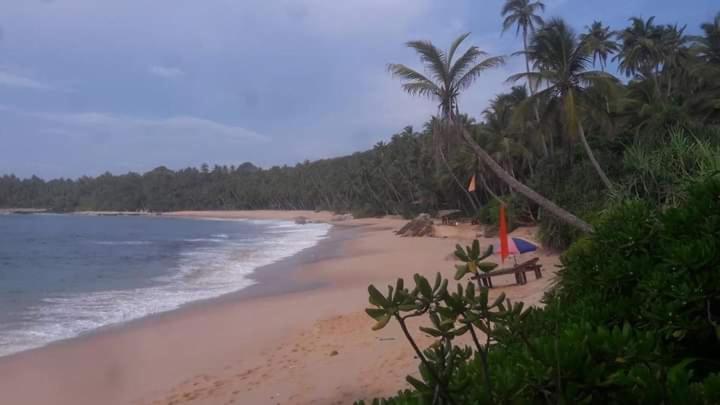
(287, 339)
(268, 282)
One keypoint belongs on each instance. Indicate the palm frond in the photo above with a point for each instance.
(510, 5)
(532, 76)
(423, 89)
(537, 20)
(432, 57)
(467, 79)
(508, 23)
(404, 72)
(522, 110)
(464, 62)
(454, 46)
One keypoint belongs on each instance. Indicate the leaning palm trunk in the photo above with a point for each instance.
(591, 155)
(526, 191)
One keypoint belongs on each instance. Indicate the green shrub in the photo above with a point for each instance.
(634, 317)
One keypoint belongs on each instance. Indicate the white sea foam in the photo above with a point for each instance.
(218, 237)
(121, 242)
(203, 272)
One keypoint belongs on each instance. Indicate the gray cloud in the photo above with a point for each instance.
(165, 72)
(109, 124)
(9, 79)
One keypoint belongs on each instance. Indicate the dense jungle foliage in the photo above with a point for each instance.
(632, 319)
(569, 130)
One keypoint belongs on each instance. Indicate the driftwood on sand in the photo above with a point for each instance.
(422, 225)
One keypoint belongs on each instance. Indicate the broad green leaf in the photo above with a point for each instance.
(423, 285)
(476, 249)
(462, 270)
(487, 267)
(431, 331)
(417, 384)
(487, 253)
(460, 253)
(470, 291)
(498, 300)
(376, 313)
(376, 297)
(381, 322)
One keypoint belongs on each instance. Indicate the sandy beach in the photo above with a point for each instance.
(299, 337)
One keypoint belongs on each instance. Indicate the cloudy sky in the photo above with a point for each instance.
(93, 85)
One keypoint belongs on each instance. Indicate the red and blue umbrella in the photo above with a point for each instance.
(520, 246)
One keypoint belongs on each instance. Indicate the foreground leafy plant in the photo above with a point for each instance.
(633, 318)
(451, 314)
(472, 261)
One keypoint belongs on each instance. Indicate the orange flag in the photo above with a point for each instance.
(471, 187)
(504, 247)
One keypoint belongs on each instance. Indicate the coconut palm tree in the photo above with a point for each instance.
(710, 43)
(705, 96)
(450, 77)
(561, 63)
(523, 15)
(654, 52)
(640, 48)
(674, 54)
(503, 138)
(599, 41)
(447, 79)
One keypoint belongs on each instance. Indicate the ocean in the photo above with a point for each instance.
(65, 275)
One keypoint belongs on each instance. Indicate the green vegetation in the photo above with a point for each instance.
(633, 315)
(633, 318)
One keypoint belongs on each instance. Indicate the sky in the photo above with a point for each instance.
(88, 86)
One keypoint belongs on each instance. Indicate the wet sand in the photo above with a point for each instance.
(300, 336)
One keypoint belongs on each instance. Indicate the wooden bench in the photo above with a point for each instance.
(520, 271)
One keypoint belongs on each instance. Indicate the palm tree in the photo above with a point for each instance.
(655, 52)
(674, 53)
(561, 62)
(710, 42)
(705, 96)
(599, 41)
(449, 78)
(502, 137)
(523, 14)
(639, 52)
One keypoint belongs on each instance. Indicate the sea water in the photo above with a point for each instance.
(65, 275)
